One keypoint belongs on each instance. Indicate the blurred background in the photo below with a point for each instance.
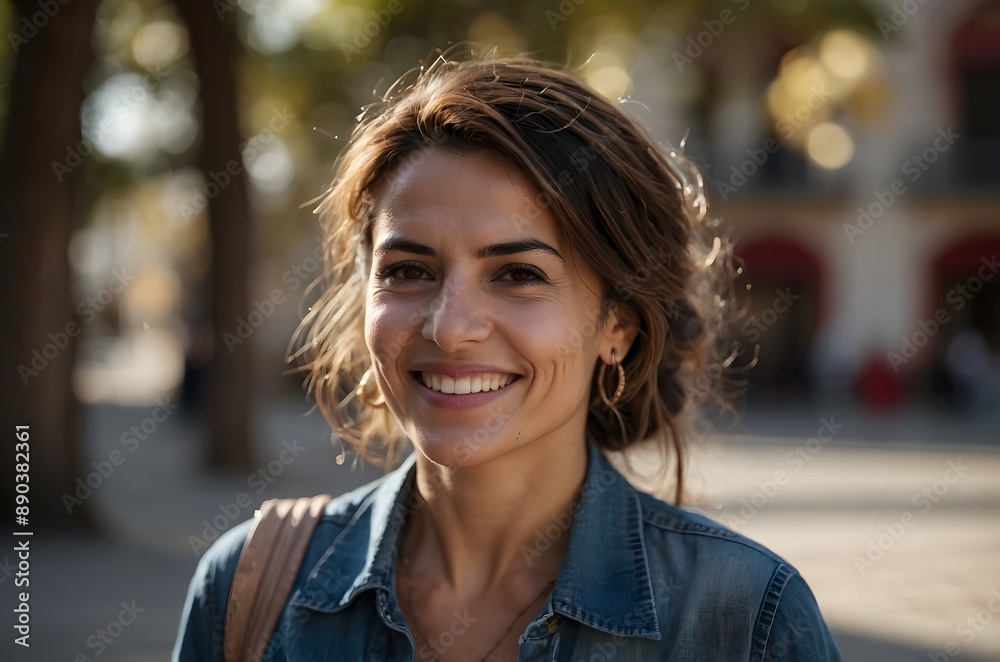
(157, 244)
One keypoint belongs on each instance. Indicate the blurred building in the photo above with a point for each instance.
(859, 170)
(861, 175)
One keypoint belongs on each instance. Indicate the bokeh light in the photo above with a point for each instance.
(829, 146)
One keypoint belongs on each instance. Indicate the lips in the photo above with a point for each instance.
(466, 384)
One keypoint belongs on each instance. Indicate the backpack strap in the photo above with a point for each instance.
(265, 572)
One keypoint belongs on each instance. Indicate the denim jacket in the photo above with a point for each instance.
(641, 580)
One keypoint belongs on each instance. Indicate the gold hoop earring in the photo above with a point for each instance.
(621, 382)
(366, 390)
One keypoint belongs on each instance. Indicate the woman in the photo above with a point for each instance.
(520, 280)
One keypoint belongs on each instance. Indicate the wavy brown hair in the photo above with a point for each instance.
(635, 212)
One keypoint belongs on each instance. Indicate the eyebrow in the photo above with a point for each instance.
(493, 250)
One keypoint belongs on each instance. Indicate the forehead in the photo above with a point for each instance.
(474, 195)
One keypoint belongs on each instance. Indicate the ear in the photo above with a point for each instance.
(620, 329)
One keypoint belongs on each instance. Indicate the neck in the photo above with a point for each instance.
(478, 527)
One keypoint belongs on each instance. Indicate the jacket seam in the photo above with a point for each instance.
(344, 512)
(719, 534)
(769, 608)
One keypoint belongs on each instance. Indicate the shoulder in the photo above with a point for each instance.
(713, 559)
(219, 563)
(203, 619)
(718, 573)
(709, 565)
(686, 532)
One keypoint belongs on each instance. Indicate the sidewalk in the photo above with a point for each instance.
(822, 513)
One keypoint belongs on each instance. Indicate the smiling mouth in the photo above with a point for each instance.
(485, 382)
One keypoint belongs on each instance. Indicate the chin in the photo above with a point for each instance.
(460, 449)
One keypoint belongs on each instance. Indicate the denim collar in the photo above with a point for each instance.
(603, 582)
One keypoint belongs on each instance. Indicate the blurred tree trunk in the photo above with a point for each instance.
(37, 213)
(229, 374)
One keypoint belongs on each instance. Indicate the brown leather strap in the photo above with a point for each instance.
(268, 565)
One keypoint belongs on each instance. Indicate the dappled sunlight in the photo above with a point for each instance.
(134, 371)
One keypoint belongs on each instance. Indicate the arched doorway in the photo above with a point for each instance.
(783, 310)
(965, 284)
(975, 75)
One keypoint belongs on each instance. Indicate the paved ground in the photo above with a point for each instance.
(896, 526)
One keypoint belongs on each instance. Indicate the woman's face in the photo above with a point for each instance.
(482, 323)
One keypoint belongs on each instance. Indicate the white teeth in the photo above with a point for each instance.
(465, 385)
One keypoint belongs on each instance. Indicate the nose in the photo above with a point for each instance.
(456, 315)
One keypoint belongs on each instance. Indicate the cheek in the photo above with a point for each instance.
(561, 338)
(388, 327)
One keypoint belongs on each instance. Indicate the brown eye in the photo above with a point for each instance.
(406, 272)
(522, 275)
